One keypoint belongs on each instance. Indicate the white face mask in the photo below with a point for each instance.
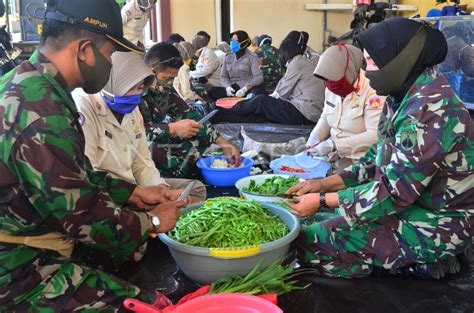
(142, 3)
(288, 63)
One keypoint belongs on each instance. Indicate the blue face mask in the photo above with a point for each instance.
(125, 104)
(235, 46)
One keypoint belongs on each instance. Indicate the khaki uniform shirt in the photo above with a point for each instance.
(120, 149)
(208, 66)
(134, 21)
(300, 87)
(352, 123)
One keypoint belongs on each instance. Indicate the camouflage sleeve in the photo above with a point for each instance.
(422, 141)
(362, 171)
(158, 132)
(208, 134)
(70, 198)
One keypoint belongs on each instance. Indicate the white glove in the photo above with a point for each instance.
(323, 148)
(313, 138)
(242, 92)
(275, 95)
(230, 91)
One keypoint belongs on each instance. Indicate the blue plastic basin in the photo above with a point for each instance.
(223, 177)
(314, 167)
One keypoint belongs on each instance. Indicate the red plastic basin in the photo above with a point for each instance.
(228, 303)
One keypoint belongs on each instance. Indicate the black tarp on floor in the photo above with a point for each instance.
(383, 293)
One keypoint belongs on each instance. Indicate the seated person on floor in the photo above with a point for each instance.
(175, 38)
(114, 131)
(270, 63)
(182, 83)
(221, 50)
(298, 98)
(66, 228)
(240, 73)
(302, 38)
(178, 140)
(254, 44)
(351, 114)
(408, 204)
(205, 68)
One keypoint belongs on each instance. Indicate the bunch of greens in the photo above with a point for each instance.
(273, 279)
(228, 222)
(272, 186)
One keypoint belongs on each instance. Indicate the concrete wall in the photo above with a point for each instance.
(278, 17)
(190, 16)
(272, 17)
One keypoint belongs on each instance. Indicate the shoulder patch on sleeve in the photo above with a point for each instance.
(375, 102)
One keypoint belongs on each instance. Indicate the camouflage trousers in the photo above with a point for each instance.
(328, 243)
(64, 286)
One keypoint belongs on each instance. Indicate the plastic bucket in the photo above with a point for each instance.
(205, 265)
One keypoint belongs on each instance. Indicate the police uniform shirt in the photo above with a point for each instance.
(352, 123)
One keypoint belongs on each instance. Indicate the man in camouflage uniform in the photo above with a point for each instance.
(269, 63)
(63, 226)
(178, 140)
(410, 200)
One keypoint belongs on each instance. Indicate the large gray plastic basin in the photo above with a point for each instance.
(202, 267)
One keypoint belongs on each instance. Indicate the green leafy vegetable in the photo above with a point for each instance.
(272, 186)
(228, 222)
(273, 279)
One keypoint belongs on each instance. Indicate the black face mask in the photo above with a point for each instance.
(390, 79)
(95, 77)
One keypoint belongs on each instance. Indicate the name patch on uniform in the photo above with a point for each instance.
(138, 136)
(108, 134)
(332, 105)
(375, 102)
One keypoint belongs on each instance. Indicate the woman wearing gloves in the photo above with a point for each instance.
(298, 98)
(240, 73)
(114, 131)
(407, 205)
(348, 125)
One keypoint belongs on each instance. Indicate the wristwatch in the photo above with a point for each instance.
(322, 202)
(155, 222)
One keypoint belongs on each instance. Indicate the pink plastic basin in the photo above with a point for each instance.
(228, 103)
(228, 303)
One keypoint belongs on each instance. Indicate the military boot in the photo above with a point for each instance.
(435, 270)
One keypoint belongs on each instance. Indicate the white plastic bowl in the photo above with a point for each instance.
(259, 179)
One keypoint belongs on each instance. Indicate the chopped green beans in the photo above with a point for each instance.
(273, 279)
(272, 186)
(227, 223)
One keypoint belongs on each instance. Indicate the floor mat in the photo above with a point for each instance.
(382, 293)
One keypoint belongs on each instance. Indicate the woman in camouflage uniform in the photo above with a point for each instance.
(408, 203)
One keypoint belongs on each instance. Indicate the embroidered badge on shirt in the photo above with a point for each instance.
(375, 102)
(356, 103)
(81, 118)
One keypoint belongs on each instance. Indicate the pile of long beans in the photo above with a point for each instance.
(228, 222)
(273, 279)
